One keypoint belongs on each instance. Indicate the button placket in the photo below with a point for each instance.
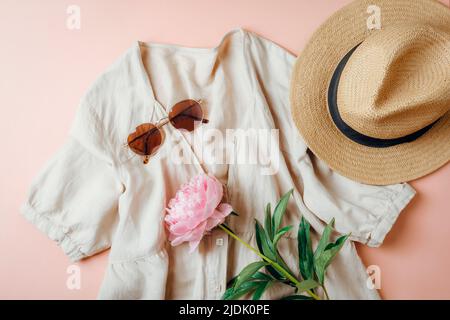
(216, 267)
(222, 239)
(219, 242)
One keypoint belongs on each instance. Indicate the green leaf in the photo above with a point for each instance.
(307, 285)
(234, 294)
(260, 290)
(262, 276)
(297, 297)
(324, 240)
(277, 275)
(264, 244)
(280, 234)
(339, 242)
(228, 293)
(274, 273)
(256, 280)
(258, 233)
(231, 282)
(281, 262)
(266, 247)
(279, 211)
(268, 222)
(324, 260)
(305, 253)
(248, 272)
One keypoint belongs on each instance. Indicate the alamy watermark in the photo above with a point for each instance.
(255, 147)
(374, 20)
(374, 279)
(73, 20)
(73, 281)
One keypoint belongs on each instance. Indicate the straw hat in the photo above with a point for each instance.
(374, 104)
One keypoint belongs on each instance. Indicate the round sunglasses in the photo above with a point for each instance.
(148, 137)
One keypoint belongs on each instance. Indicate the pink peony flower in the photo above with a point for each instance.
(195, 210)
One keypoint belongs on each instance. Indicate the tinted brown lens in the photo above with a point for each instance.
(186, 115)
(145, 140)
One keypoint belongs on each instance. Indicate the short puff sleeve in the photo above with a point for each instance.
(74, 198)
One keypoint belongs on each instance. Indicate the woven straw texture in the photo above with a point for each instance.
(399, 77)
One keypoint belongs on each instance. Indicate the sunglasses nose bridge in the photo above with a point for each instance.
(162, 122)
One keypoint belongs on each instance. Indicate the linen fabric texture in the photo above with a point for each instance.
(95, 193)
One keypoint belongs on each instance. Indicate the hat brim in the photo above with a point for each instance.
(308, 97)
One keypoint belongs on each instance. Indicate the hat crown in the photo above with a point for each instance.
(396, 82)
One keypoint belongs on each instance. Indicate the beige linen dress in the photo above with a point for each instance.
(96, 194)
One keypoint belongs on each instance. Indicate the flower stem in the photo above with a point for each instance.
(271, 262)
(325, 291)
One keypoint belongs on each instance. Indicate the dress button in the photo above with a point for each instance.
(219, 241)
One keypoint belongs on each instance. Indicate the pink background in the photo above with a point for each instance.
(45, 69)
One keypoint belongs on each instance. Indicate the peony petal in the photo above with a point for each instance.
(193, 235)
(211, 223)
(214, 194)
(225, 209)
(175, 241)
(198, 232)
(195, 210)
(222, 211)
(180, 228)
(193, 245)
